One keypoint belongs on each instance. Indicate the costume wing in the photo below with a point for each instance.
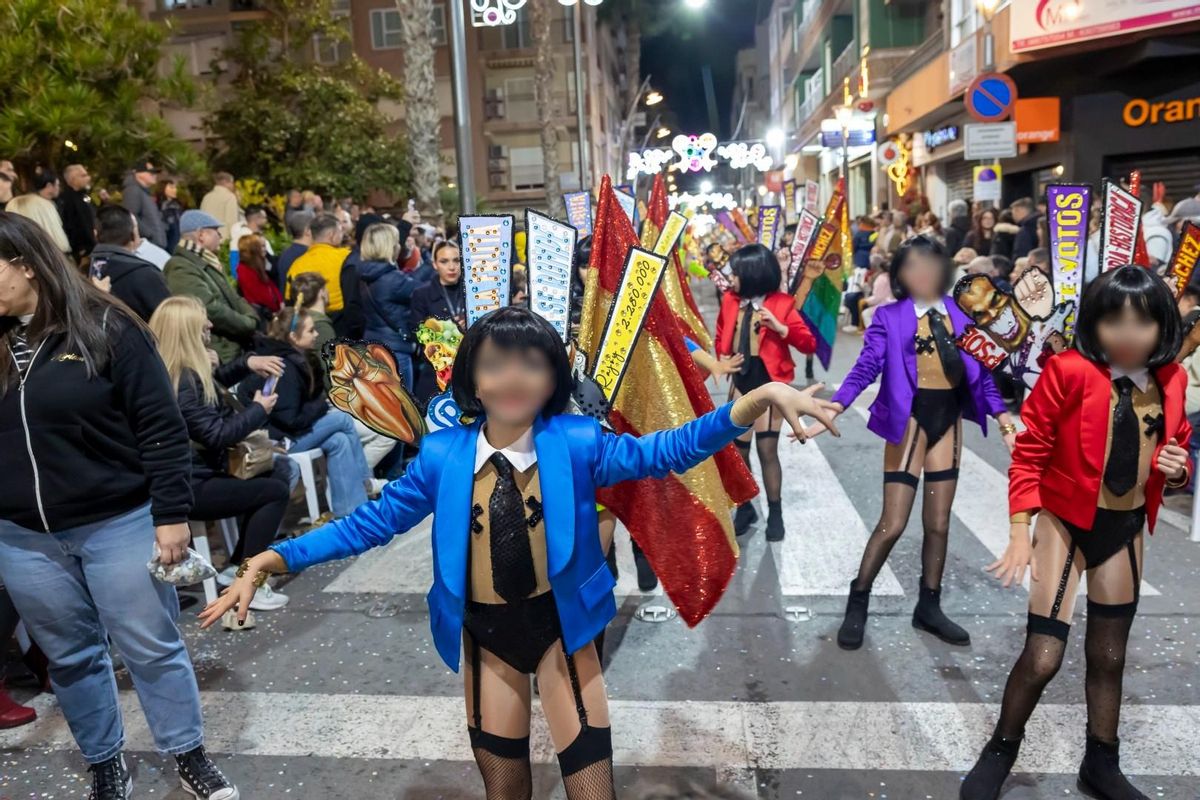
(367, 385)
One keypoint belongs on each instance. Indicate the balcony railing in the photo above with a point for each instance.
(842, 65)
(925, 52)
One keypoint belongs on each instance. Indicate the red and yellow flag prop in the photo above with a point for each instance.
(681, 522)
(675, 286)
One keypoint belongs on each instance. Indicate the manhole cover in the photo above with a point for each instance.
(797, 613)
(655, 612)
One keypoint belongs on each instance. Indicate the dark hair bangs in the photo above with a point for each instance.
(1146, 294)
(757, 270)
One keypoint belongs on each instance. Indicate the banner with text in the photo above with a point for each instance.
(579, 211)
(769, 225)
(551, 256)
(789, 201)
(1034, 24)
(640, 277)
(812, 195)
(1119, 230)
(1183, 263)
(1067, 208)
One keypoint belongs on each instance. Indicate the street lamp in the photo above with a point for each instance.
(662, 133)
(654, 98)
(844, 116)
(706, 187)
(775, 138)
(695, 5)
(988, 9)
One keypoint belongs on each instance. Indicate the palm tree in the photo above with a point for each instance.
(422, 116)
(540, 13)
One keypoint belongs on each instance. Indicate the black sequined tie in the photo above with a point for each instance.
(1120, 474)
(512, 558)
(952, 363)
(745, 333)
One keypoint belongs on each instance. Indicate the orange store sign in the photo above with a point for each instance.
(1037, 119)
(1139, 111)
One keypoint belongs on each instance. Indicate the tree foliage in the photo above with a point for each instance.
(88, 72)
(291, 122)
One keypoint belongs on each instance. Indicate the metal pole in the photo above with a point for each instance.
(845, 171)
(463, 150)
(585, 171)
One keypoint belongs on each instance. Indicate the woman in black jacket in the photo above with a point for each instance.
(441, 298)
(386, 292)
(217, 422)
(96, 464)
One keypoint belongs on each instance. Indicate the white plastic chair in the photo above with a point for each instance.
(200, 544)
(304, 460)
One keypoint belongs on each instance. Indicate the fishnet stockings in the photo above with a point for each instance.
(504, 778)
(593, 782)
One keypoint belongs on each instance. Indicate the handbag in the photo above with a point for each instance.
(252, 456)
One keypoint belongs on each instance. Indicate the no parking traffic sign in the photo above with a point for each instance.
(990, 97)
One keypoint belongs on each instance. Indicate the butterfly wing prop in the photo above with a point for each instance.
(367, 385)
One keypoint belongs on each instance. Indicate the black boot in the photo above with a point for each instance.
(743, 518)
(111, 780)
(775, 529)
(928, 616)
(646, 578)
(850, 635)
(986, 778)
(1100, 773)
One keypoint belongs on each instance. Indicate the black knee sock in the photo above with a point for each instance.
(1104, 645)
(1045, 643)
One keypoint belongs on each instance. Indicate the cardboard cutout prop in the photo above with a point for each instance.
(366, 384)
(551, 260)
(487, 254)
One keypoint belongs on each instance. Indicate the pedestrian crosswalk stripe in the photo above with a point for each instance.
(1156, 739)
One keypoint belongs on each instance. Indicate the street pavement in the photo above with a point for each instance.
(341, 694)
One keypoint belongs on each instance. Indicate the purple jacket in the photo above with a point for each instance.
(888, 348)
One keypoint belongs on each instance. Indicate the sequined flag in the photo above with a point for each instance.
(487, 263)
(551, 258)
(682, 522)
(675, 286)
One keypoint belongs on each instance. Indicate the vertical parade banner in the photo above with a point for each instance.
(789, 202)
(739, 219)
(1141, 256)
(628, 203)
(1119, 228)
(1183, 263)
(640, 277)
(769, 225)
(579, 211)
(806, 226)
(1067, 208)
(487, 263)
(550, 254)
(669, 236)
(728, 223)
(812, 195)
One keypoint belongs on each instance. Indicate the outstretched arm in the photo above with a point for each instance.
(627, 457)
(404, 503)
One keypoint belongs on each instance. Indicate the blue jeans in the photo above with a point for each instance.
(76, 588)
(1194, 445)
(346, 463)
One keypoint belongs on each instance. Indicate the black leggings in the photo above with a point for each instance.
(258, 503)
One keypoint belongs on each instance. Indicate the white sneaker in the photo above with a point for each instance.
(377, 485)
(227, 576)
(850, 329)
(267, 599)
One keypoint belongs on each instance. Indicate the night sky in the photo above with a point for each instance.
(683, 41)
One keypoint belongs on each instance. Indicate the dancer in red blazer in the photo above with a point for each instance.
(1103, 433)
(760, 323)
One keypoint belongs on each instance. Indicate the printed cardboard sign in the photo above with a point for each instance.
(551, 257)
(833, 209)
(1067, 210)
(579, 211)
(1025, 327)
(628, 204)
(640, 277)
(1183, 263)
(668, 237)
(442, 412)
(769, 225)
(812, 195)
(487, 263)
(739, 219)
(1119, 230)
(806, 226)
(439, 340)
(366, 384)
(789, 200)
(727, 222)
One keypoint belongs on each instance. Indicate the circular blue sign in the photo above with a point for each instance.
(990, 97)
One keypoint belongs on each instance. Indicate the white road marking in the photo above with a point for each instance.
(1156, 739)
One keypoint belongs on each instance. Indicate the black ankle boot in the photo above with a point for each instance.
(928, 616)
(986, 778)
(743, 518)
(850, 635)
(111, 780)
(775, 529)
(646, 578)
(1100, 773)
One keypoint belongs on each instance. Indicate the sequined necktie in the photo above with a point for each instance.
(952, 363)
(1120, 474)
(512, 557)
(744, 337)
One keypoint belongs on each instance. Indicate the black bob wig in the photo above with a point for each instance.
(1149, 297)
(919, 245)
(511, 329)
(757, 270)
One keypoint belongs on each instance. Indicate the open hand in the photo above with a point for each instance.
(241, 592)
(817, 428)
(729, 365)
(792, 403)
(1172, 460)
(265, 366)
(1010, 567)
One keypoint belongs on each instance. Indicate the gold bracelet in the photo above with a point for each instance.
(259, 579)
(1007, 428)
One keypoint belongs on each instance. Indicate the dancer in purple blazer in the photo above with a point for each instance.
(928, 387)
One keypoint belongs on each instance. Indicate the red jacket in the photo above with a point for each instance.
(772, 348)
(257, 291)
(1058, 463)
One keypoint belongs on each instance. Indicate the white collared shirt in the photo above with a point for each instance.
(1139, 376)
(923, 309)
(753, 301)
(521, 453)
